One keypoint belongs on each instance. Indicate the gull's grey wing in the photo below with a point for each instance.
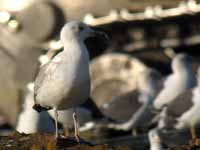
(41, 74)
(181, 104)
(141, 117)
(40, 78)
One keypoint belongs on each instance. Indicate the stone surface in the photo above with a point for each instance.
(18, 64)
(112, 75)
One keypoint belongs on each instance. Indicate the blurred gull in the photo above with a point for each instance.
(147, 91)
(167, 118)
(64, 82)
(163, 116)
(154, 140)
(191, 117)
(30, 121)
(179, 81)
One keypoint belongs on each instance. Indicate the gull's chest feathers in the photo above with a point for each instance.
(70, 67)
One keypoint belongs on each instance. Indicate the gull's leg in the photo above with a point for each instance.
(194, 141)
(76, 126)
(56, 121)
(193, 133)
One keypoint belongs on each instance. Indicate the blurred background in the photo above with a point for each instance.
(143, 33)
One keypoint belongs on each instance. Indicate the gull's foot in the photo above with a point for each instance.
(77, 139)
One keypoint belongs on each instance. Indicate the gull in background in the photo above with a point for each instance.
(191, 117)
(147, 92)
(178, 82)
(30, 121)
(64, 81)
(163, 117)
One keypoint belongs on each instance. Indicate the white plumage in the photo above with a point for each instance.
(191, 117)
(64, 82)
(178, 82)
(30, 121)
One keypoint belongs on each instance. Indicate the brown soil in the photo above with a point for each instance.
(48, 142)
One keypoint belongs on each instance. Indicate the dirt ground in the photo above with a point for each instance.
(48, 142)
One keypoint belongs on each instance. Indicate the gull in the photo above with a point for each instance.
(147, 92)
(191, 117)
(168, 117)
(178, 82)
(30, 121)
(86, 112)
(64, 82)
(154, 140)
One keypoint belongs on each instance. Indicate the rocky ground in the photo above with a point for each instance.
(172, 141)
(48, 142)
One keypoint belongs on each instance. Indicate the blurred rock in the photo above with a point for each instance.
(18, 64)
(112, 75)
(8, 90)
(79, 8)
(48, 142)
(15, 5)
(40, 20)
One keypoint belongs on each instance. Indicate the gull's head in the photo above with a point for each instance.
(80, 31)
(181, 62)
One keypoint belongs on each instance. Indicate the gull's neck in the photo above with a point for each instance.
(186, 73)
(72, 42)
(183, 70)
(75, 48)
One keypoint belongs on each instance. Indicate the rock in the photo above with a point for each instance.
(18, 64)
(78, 9)
(112, 75)
(8, 90)
(48, 142)
(41, 20)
